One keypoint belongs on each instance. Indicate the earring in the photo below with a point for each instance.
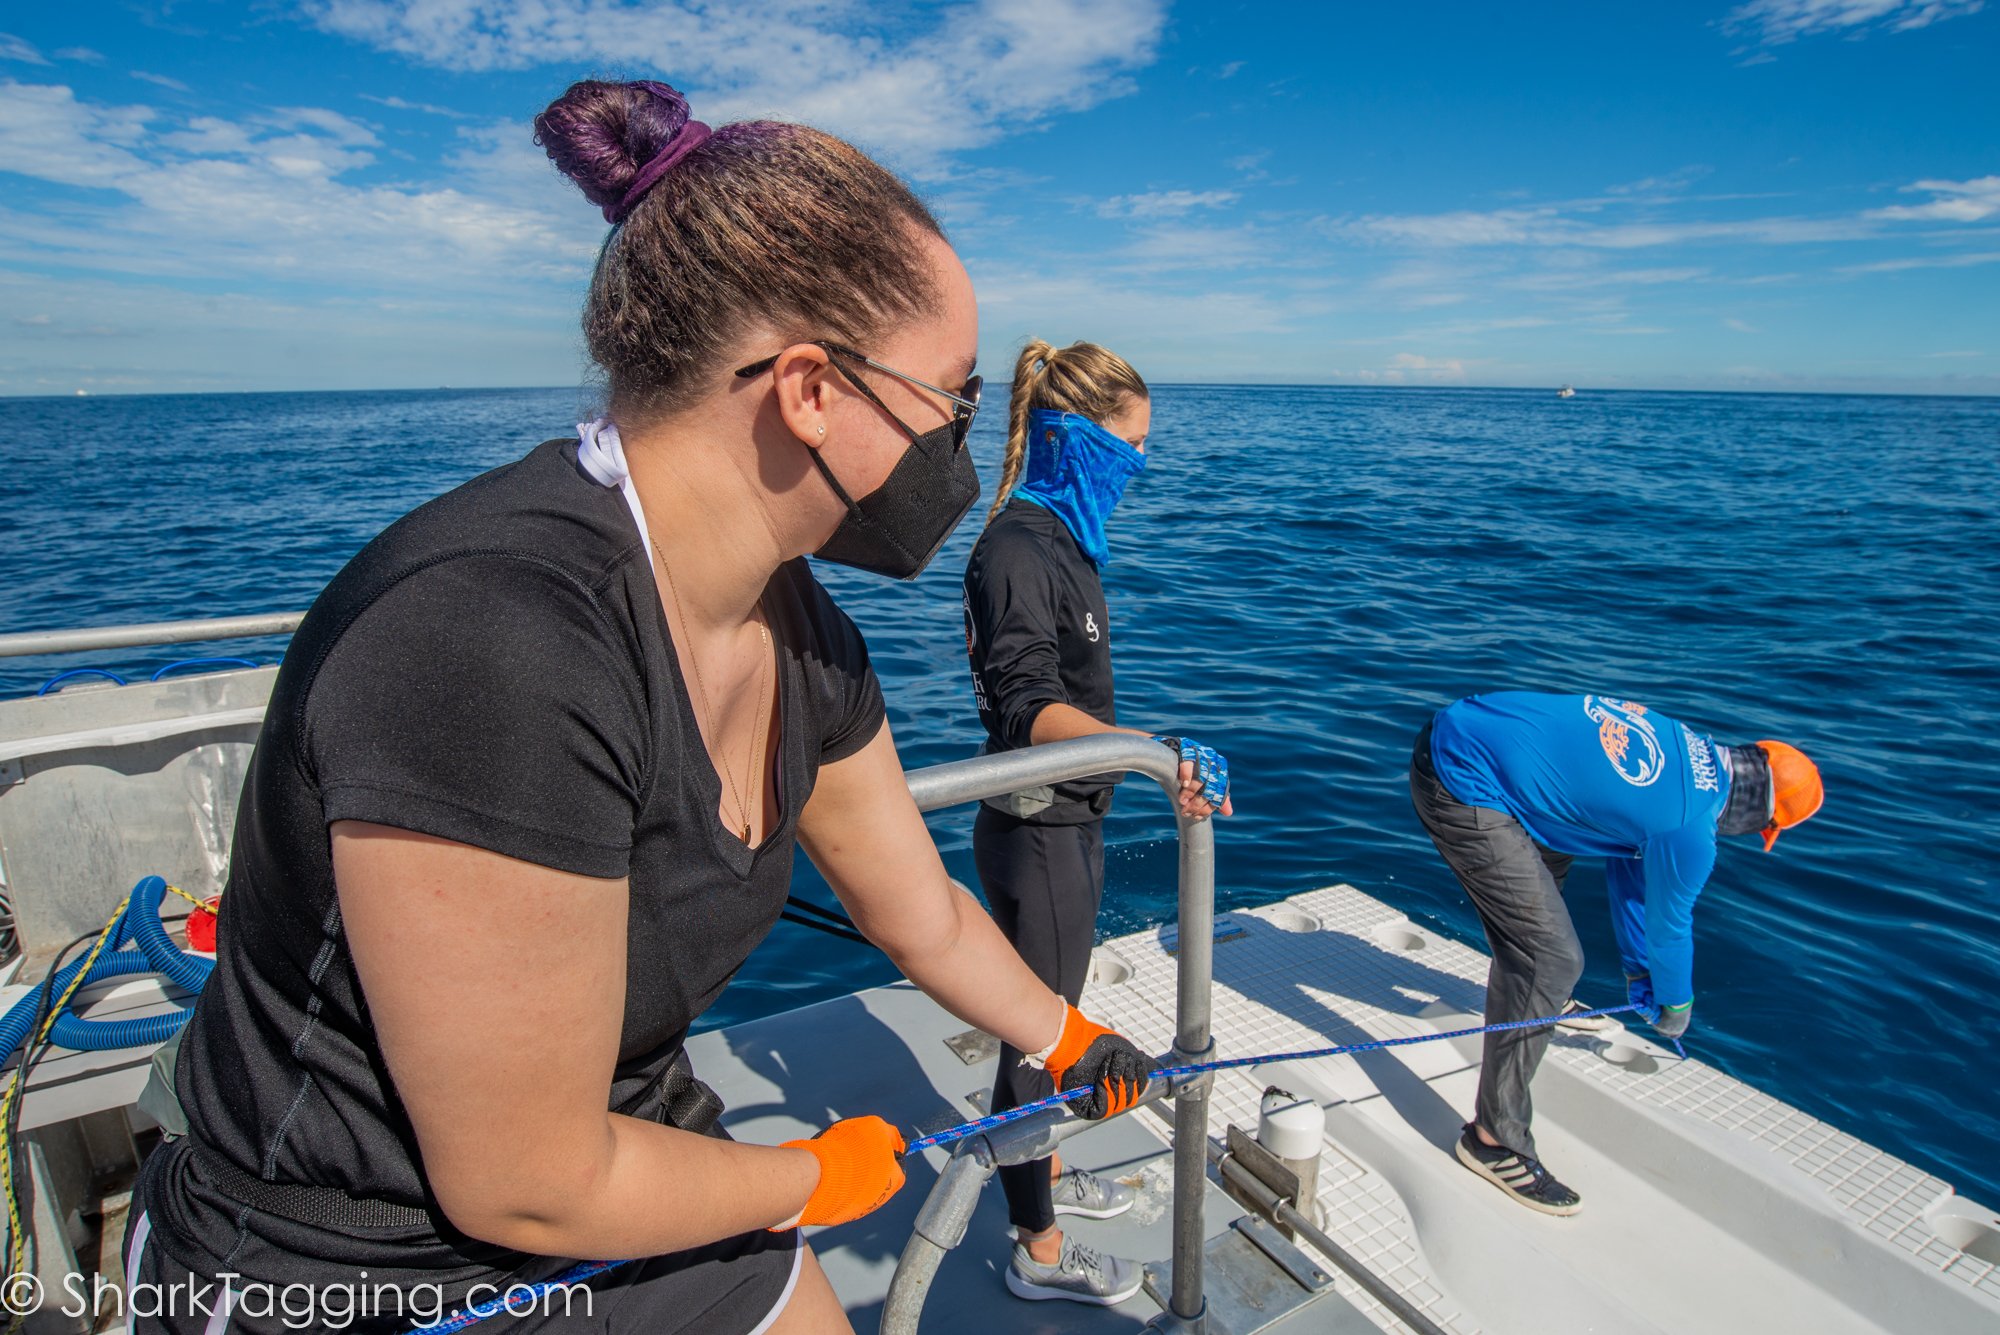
(822, 431)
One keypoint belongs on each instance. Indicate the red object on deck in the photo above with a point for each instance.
(201, 926)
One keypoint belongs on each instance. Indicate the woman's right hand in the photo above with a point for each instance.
(1204, 778)
(860, 1168)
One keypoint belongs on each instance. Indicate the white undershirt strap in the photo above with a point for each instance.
(601, 455)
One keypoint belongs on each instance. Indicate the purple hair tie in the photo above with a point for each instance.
(685, 141)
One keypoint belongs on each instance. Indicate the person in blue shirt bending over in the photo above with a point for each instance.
(1515, 785)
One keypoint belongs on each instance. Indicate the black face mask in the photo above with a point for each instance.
(896, 529)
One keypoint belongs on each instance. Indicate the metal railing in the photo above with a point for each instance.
(942, 1221)
(23, 643)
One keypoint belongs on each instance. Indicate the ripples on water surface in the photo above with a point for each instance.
(1300, 578)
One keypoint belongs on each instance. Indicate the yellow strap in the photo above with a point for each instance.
(189, 898)
(17, 1247)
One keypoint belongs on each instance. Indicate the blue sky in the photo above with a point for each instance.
(1779, 194)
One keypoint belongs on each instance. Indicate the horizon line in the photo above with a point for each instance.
(75, 395)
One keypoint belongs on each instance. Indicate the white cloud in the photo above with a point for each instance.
(1781, 21)
(80, 53)
(331, 123)
(1410, 361)
(428, 108)
(1460, 228)
(1573, 279)
(1951, 201)
(46, 133)
(1962, 260)
(1551, 226)
(1409, 368)
(982, 68)
(210, 136)
(1164, 203)
(1672, 183)
(1740, 326)
(134, 335)
(15, 48)
(1079, 298)
(268, 197)
(161, 80)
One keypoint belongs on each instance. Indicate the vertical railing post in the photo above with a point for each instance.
(1192, 1043)
(1114, 753)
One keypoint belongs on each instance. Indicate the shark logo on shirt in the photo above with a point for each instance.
(1629, 741)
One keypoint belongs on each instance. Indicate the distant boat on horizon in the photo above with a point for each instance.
(1566, 392)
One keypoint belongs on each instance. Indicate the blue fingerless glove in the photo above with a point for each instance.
(1639, 991)
(1211, 771)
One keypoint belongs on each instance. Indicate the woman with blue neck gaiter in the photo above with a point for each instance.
(1038, 632)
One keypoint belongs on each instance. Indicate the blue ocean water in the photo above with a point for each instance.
(1300, 577)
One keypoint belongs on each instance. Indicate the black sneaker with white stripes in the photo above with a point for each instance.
(1518, 1175)
(1588, 1024)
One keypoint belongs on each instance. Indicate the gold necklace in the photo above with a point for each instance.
(708, 710)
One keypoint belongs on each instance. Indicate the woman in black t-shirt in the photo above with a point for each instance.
(1038, 632)
(531, 776)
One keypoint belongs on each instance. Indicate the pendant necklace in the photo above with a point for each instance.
(708, 711)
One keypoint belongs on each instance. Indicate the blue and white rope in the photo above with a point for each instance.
(522, 1297)
(975, 1127)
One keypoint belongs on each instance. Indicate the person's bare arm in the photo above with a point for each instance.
(863, 831)
(1058, 722)
(497, 989)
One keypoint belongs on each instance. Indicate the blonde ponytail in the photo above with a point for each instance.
(1082, 378)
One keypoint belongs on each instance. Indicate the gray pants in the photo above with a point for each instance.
(1516, 885)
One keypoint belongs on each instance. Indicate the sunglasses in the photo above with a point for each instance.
(964, 404)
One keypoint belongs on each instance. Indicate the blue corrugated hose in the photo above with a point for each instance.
(61, 677)
(139, 926)
(202, 662)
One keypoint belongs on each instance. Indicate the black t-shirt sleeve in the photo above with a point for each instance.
(1015, 607)
(487, 700)
(846, 696)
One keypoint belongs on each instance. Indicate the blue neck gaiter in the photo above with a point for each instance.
(1077, 470)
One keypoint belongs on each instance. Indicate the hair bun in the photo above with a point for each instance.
(603, 135)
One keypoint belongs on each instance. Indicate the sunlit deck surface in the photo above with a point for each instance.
(1709, 1206)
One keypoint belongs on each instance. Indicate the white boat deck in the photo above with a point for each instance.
(1708, 1205)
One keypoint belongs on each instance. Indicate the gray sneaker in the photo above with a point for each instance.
(1090, 1196)
(1083, 1275)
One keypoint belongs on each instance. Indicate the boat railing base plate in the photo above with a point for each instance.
(1255, 1280)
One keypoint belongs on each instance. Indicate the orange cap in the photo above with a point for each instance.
(1796, 790)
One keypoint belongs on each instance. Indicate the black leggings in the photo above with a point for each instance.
(1044, 883)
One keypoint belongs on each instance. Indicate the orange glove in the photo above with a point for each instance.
(860, 1168)
(1089, 1054)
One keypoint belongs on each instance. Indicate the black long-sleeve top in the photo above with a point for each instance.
(1038, 633)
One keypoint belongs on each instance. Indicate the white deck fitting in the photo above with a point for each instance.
(1708, 1205)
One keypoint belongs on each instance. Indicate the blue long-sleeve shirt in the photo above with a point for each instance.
(1598, 777)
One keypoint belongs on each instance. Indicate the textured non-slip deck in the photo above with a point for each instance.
(1752, 1211)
